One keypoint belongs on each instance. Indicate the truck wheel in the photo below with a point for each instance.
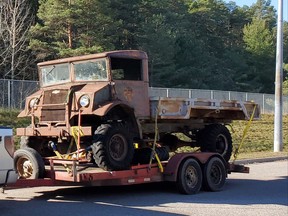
(214, 174)
(112, 147)
(29, 163)
(189, 179)
(216, 138)
(143, 155)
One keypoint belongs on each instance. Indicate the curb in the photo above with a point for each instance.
(261, 160)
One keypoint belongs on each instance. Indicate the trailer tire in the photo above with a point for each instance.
(189, 178)
(112, 147)
(29, 164)
(142, 156)
(214, 174)
(216, 138)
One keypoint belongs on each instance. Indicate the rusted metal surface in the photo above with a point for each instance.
(135, 94)
(182, 108)
(50, 131)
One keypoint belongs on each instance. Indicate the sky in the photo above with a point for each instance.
(273, 2)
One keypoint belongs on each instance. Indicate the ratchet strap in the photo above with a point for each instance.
(244, 134)
(76, 131)
(154, 153)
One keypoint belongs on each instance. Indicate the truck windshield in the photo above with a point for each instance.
(90, 70)
(54, 74)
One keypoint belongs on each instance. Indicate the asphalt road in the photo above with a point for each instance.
(262, 192)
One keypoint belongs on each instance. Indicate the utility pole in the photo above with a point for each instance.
(278, 119)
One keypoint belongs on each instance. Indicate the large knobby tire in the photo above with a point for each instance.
(214, 175)
(29, 164)
(216, 138)
(189, 179)
(112, 147)
(142, 156)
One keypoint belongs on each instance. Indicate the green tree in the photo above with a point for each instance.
(260, 41)
(70, 27)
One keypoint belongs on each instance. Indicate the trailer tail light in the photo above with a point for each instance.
(9, 145)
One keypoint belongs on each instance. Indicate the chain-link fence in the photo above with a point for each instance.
(14, 92)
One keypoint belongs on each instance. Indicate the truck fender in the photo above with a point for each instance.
(171, 169)
(103, 110)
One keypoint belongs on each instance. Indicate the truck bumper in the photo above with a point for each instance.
(50, 131)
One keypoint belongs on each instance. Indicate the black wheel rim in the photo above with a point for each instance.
(118, 147)
(221, 144)
(191, 177)
(215, 174)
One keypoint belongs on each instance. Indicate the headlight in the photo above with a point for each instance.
(84, 100)
(33, 102)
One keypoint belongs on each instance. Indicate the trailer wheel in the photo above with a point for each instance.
(29, 163)
(214, 174)
(112, 147)
(216, 138)
(189, 179)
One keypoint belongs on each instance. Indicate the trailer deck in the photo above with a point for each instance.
(63, 172)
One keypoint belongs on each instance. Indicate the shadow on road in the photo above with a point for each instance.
(127, 200)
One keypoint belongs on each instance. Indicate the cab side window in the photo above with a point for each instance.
(126, 69)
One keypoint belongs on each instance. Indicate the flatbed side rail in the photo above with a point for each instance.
(184, 108)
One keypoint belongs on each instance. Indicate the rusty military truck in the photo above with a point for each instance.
(97, 109)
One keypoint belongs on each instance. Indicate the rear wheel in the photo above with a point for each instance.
(189, 179)
(112, 147)
(214, 174)
(216, 138)
(29, 163)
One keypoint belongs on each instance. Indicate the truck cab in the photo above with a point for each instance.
(98, 93)
(7, 170)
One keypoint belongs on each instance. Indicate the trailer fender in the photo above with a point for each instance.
(171, 169)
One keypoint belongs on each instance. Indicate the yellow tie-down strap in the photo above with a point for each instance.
(76, 132)
(244, 134)
(159, 163)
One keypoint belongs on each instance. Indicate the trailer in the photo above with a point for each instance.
(189, 171)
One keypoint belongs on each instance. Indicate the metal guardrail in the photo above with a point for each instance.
(14, 92)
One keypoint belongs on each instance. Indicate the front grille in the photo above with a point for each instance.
(54, 113)
(56, 96)
(54, 105)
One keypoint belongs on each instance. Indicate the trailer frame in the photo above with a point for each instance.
(83, 174)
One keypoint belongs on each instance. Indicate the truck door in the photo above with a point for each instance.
(131, 83)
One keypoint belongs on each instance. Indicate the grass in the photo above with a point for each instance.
(260, 136)
(257, 143)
